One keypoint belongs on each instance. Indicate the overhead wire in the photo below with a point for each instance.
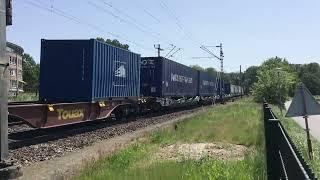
(70, 17)
(138, 5)
(178, 22)
(136, 23)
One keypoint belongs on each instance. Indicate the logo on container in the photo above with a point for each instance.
(120, 72)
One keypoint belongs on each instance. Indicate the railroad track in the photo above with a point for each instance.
(37, 136)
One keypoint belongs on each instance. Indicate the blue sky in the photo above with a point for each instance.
(251, 30)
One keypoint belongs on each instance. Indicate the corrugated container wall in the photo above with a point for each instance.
(227, 89)
(87, 70)
(161, 77)
(207, 84)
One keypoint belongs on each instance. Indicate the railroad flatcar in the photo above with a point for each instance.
(86, 80)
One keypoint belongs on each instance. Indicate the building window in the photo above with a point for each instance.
(13, 84)
(13, 61)
(12, 73)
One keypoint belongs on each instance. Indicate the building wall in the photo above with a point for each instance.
(15, 84)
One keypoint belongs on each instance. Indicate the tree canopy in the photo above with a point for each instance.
(276, 79)
(31, 73)
(113, 42)
(250, 77)
(309, 74)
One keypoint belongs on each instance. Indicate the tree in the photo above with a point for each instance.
(113, 42)
(31, 73)
(197, 67)
(309, 74)
(250, 77)
(212, 71)
(272, 84)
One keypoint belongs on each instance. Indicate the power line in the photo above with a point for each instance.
(61, 13)
(170, 50)
(178, 22)
(135, 22)
(138, 5)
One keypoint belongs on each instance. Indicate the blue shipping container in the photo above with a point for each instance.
(207, 84)
(227, 89)
(86, 71)
(161, 77)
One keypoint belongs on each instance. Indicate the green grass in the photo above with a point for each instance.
(239, 123)
(24, 97)
(299, 137)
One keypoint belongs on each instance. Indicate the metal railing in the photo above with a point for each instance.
(284, 160)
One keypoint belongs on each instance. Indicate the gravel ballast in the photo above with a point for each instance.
(45, 151)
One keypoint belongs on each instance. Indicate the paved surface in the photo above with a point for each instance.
(314, 123)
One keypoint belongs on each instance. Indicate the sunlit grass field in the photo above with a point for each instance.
(237, 123)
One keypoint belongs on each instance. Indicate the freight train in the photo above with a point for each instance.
(86, 80)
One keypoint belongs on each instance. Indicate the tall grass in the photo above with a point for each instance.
(298, 135)
(239, 123)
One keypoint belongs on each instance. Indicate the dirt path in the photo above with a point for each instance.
(72, 163)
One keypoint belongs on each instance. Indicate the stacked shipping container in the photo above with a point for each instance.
(161, 77)
(86, 71)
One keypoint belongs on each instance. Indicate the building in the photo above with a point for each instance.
(14, 54)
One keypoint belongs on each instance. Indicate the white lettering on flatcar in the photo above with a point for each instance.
(180, 78)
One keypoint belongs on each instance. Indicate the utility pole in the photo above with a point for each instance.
(221, 69)
(157, 47)
(8, 170)
(240, 82)
(3, 84)
(219, 75)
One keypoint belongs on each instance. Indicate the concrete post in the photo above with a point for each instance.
(3, 85)
(8, 170)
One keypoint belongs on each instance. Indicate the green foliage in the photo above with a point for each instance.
(275, 84)
(113, 42)
(298, 135)
(309, 74)
(239, 123)
(31, 73)
(250, 77)
(24, 97)
(210, 70)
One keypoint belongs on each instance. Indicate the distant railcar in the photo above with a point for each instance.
(161, 77)
(207, 84)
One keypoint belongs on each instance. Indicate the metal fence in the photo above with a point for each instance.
(284, 160)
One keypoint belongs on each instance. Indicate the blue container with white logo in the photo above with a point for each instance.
(87, 71)
(207, 84)
(161, 77)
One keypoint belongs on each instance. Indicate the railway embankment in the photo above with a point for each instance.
(225, 142)
(65, 157)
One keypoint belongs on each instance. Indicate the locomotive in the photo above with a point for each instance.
(87, 80)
